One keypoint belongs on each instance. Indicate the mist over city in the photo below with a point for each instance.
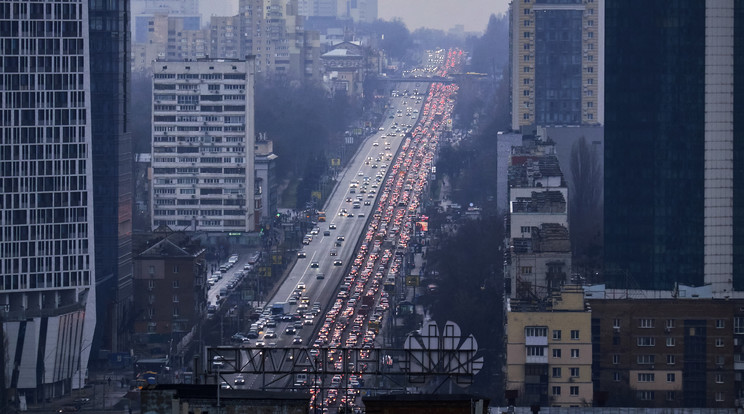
(371, 206)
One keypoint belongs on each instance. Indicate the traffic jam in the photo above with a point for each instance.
(356, 315)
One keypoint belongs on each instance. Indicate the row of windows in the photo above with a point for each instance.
(572, 390)
(541, 351)
(574, 372)
(670, 323)
(543, 331)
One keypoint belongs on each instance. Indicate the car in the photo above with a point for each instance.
(224, 385)
(327, 233)
(301, 254)
(367, 203)
(334, 252)
(314, 264)
(290, 330)
(337, 263)
(68, 409)
(332, 226)
(350, 215)
(239, 380)
(360, 173)
(301, 285)
(315, 231)
(374, 144)
(270, 334)
(337, 243)
(340, 238)
(260, 344)
(360, 215)
(320, 276)
(297, 340)
(348, 199)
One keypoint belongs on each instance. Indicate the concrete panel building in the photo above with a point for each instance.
(549, 351)
(556, 62)
(203, 146)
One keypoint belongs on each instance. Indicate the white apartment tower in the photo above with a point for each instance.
(47, 279)
(203, 145)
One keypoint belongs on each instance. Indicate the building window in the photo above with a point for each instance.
(151, 270)
(175, 269)
(151, 327)
(615, 359)
(720, 360)
(574, 390)
(646, 377)
(526, 69)
(557, 372)
(671, 359)
(739, 325)
(669, 323)
(616, 323)
(646, 395)
(590, 104)
(526, 116)
(670, 396)
(720, 323)
(719, 396)
(151, 284)
(575, 334)
(671, 342)
(535, 351)
(536, 331)
(556, 353)
(556, 335)
(175, 311)
(574, 372)
(175, 284)
(574, 353)
(526, 35)
(719, 342)
(526, 92)
(615, 340)
(646, 341)
(175, 298)
(556, 390)
(719, 378)
(670, 377)
(616, 376)
(646, 323)
(525, 270)
(645, 359)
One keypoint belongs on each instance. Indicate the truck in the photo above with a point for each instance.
(280, 308)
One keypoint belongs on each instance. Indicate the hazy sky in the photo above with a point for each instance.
(442, 14)
(435, 14)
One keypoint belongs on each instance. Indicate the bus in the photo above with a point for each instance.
(321, 216)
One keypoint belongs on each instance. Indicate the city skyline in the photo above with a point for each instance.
(473, 14)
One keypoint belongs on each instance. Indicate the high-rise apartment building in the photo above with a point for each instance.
(143, 12)
(203, 146)
(549, 351)
(169, 38)
(674, 167)
(48, 260)
(556, 53)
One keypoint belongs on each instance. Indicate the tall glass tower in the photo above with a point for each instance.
(47, 249)
(112, 170)
(674, 178)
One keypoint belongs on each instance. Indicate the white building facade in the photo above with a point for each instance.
(203, 146)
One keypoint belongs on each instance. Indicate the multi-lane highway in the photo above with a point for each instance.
(335, 295)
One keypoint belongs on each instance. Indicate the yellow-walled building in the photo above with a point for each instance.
(549, 351)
